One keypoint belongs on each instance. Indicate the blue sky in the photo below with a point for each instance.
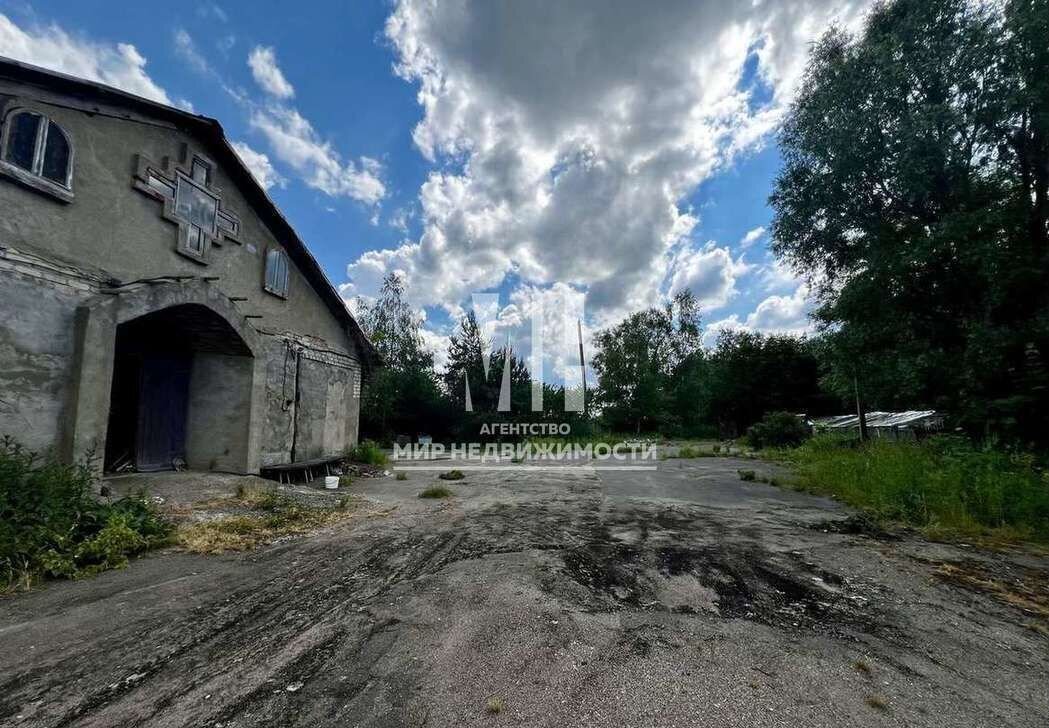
(544, 151)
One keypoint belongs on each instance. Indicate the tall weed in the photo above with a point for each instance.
(51, 524)
(943, 484)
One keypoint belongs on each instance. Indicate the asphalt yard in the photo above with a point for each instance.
(680, 596)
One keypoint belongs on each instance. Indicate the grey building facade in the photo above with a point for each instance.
(155, 306)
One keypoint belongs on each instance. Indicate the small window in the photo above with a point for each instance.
(201, 171)
(38, 145)
(277, 273)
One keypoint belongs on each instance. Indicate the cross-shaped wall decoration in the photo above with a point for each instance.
(190, 201)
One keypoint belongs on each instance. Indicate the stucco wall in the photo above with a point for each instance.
(312, 400)
(112, 230)
(36, 355)
(217, 433)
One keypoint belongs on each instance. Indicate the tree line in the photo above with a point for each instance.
(913, 198)
(653, 376)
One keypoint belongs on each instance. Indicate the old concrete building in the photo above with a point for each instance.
(155, 306)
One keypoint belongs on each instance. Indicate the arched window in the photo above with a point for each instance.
(38, 146)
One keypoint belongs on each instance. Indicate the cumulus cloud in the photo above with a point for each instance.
(259, 164)
(436, 344)
(778, 276)
(120, 65)
(267, 74)
(709, 273)
(787, 314)
(752, 237)
(295, 142)
(569, 136)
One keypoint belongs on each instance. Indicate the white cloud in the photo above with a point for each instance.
(119, 65)
(295, 142)
(186, 49)
(570, 137)
(710, 273)
(752, 237)
(267, 74)
(400, 218)
(782, 314)
(259, 164)
(778, 275)
(437, 344)
(774, 315)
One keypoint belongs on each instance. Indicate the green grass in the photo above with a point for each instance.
(436, 491)
(369, 453)
(688, 452)
(943, 486)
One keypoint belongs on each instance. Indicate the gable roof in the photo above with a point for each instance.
(210, 132)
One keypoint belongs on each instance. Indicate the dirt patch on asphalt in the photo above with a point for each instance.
(730, 583)
(858, 524)
(1023, 588)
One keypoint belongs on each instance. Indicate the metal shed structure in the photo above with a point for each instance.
(908, 425)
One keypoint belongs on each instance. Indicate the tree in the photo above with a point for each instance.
(636, 360)
(914, 195)
(465, 368)
(751, 374)
(466, 372)
(403, 396)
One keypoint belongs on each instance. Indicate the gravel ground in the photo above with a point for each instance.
(680, 597)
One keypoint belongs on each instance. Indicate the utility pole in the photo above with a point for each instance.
(582, 361)
(860, 412)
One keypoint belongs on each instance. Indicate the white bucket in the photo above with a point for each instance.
(331, 482)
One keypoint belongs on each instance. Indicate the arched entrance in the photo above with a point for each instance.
(181, 393)
(168, 372)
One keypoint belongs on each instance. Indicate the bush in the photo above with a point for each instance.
(452, 475)
(942, 485)
(778, 429)
(748, 476)
(51, 524)
(436, 491)
(369, 453)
